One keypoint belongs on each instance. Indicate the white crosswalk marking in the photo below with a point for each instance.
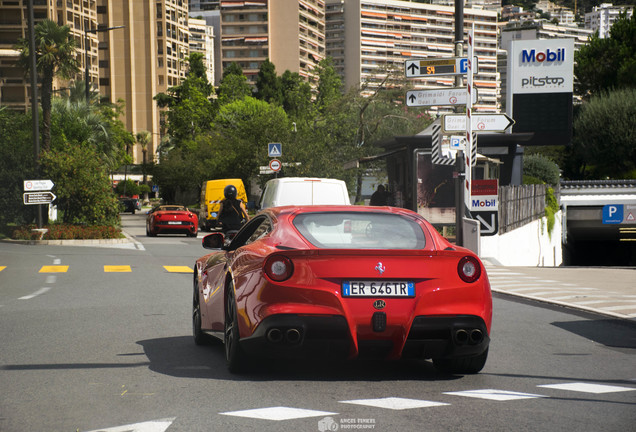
(588, 387)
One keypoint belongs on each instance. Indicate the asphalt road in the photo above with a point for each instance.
(106, 342)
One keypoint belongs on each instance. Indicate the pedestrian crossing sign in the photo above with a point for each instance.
(274, 149)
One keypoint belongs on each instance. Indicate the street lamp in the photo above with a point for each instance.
(86, 65)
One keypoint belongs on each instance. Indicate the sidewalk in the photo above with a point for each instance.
(606, 290)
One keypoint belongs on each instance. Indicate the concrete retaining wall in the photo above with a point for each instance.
(530, 245)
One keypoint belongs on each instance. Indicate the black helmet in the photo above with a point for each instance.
(229, 192)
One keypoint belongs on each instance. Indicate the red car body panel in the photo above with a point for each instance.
(172, 219)
(314, 290)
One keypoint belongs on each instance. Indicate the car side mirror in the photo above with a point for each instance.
(213, 241)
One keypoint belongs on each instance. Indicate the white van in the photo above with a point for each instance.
(304, 191)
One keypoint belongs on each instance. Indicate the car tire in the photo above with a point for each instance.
(462, 365)
(236, 360)
(149, 232)
(197, 333)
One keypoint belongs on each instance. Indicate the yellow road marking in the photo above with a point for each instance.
(117, 269)
(178, 269)
(2, 267)
(54, 269)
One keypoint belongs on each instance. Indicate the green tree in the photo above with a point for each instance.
(268, 85)
(538, 168)
(609, 63)
(82, 185)
(296, 94)
(190, 108)
(16, 165)
(329, 84)
(233, 85)
(55, 55)
(245, 128)
(604, 142)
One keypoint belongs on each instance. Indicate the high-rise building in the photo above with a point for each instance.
(603, 17)
(144, 58)
(290, 33)
(364, 37)
(79, 15)
(203, 5)
(202, 42)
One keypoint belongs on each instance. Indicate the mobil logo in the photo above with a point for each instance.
(535, 56)
(484, 203)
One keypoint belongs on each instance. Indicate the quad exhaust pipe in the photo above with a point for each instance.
(290, 336)
(469, 336)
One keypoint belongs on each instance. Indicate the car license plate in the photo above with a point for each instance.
(174, 223)
(378, 289)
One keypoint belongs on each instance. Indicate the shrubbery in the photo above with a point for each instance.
(538, 167)
(67, 232)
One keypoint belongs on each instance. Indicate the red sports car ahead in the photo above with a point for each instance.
(171, 219)
(343, 282)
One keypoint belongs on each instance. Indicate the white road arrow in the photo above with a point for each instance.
(150, 426)
(487, 228)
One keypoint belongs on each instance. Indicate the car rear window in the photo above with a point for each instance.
(358, 230)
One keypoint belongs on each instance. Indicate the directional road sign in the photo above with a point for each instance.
(439, 97)
(480, 122)
(488, 222)
(438, 66)
(38, 185)
(38, 197)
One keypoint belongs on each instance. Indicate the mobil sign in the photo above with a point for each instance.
(484, 195)
(542, 66)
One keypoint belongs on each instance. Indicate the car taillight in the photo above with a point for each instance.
(469, 269)
(278, 268)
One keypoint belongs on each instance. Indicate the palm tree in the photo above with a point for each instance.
(55, 55)
(143, 138)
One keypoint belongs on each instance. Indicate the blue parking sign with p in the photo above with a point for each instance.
(613, 214)
(274, 150)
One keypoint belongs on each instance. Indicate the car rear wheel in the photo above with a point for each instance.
(199, 336)
(233, 353)
(462, 365)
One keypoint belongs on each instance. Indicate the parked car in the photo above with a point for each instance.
(342, 282)
(211, 197)
(304, 191)
(173, 219)
(127, 205)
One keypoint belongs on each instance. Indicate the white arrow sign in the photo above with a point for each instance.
(38, 185)
(439, 97)
(480, 122)
(149, 426)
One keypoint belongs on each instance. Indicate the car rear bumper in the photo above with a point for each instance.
(306, 336)
(184, 227)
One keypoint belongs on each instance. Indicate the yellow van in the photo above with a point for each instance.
(211, 197)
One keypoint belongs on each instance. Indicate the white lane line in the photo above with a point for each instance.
(51, 279)
(395, 403)
(278, 413)
(498, 395)
(57, 261)
(35, 294)
(587, 387)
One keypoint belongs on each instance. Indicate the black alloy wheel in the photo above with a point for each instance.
(233, 353)
(197, 333)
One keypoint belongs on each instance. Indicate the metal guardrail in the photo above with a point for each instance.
(520, 205)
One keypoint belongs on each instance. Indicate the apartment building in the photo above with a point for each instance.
(202, 42)
(603, 17)
(79, 15)
(203, 5)
(290, 33)
(367, 36)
